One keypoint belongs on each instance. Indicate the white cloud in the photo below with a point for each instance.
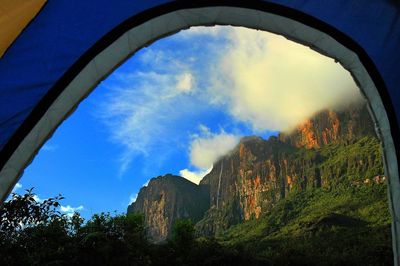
(68, 210)
(194, 176)
(132, 198)
(146, 184)
(202, 31)
(275, 84)
(208, 147)
(143, 117)
(257, 78)
(16, 187)
(184, 82)
(37, 199)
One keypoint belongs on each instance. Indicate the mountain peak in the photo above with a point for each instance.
(254, 176)
(167, 198)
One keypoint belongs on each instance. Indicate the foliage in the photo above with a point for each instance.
(25, 211)
(346, 225)
(346, 221)
(352, 163)
(317, 227)
(35, 233)
(183, 233)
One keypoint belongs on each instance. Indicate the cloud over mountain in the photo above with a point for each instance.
(275, 84)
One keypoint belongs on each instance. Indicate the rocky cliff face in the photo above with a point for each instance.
(254, 176)
(243, 182)
(331, 127)
(167, 198)
(258, 173)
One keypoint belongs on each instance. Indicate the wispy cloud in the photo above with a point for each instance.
(149, 110)
(258, 79)
(49, 147)
(143, 118)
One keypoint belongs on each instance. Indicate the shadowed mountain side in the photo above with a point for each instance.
(167, 198)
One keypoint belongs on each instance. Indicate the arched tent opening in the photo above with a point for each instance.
(150, 25)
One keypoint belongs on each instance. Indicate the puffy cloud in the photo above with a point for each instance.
(184, 82)
(68, 210)
(207, 148)
(257, 78)
(275, 84)
(194, 176)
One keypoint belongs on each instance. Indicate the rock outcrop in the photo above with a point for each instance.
(331, 127)
(258, 173)
(254, 176)
(167, 198)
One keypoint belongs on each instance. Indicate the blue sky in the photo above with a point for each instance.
(176, 107)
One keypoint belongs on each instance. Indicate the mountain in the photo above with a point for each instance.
(258, 173)
(331, 127)
(167, 198)
(331, 148)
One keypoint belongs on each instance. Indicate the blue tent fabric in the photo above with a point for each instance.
(65, 30)
(48, 47)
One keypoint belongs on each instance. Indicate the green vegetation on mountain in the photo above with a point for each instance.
(353, 163)
(320, 227)
(345, 222)
(316, 196)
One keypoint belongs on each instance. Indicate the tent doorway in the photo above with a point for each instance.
(110, 52)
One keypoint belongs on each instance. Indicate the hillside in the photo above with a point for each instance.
(329, 151)
(343, 226)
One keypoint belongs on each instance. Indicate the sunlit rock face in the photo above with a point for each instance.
(331, 127)
(165, 199)
(254, 176)
(257, 173)
(244, 182)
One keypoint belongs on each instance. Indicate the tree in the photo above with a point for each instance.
(183, 234)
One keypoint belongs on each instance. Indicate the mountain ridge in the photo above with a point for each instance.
(258, 173)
